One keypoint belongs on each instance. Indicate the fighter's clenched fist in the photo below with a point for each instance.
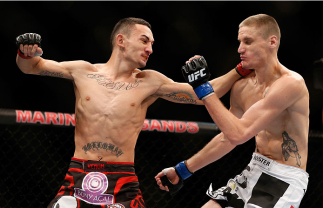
(29, 45)
(197, 74)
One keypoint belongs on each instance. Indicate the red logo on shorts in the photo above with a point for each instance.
(291, 206)
(95, 166)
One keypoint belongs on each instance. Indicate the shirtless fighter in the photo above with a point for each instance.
(271, 105)
(111, 104)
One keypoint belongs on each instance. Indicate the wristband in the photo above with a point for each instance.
(22, 55)
(203, 90)
(182, 171)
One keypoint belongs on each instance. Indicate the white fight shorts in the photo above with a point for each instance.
(264, 183)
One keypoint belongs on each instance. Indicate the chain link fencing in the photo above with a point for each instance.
(35, 159)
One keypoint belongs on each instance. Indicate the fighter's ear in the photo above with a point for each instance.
(273, 41)
(120, 40)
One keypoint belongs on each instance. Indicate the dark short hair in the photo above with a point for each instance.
(124, 26)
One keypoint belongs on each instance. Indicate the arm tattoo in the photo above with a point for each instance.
(102, 145)
(289, 147)
(109, 84)
(51, 74)
(181, 96)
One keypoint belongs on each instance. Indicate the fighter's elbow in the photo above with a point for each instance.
(28, 68)
(25, 70)
(235, 141)
(239, 139)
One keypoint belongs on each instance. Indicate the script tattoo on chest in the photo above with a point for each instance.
(290, 149)
(181, 96)
(109, 84)
(51, 74)
(95, 146)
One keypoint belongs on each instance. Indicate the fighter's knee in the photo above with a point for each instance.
(66, 202)
(211, 204)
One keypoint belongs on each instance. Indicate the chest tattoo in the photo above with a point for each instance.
(181, 96)
(96, 146)
(109, 84)
(290, 149)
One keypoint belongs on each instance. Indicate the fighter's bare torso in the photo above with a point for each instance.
(285, 139)
(112, 101)
(112, 98)
(110, 111)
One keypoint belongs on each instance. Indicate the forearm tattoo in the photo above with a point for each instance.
(289, 149)
(51, 74)
(109, 84)
(94, 146)
(181, 96)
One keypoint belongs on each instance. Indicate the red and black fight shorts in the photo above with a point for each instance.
(98, 184)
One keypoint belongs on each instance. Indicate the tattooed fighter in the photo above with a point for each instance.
(111, 104)
(271, 105)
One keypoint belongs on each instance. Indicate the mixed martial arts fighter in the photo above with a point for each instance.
(111, 104)
(271, 105)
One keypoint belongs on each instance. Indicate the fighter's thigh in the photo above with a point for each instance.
(211, 204)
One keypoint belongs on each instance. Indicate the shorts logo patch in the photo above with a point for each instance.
(116, 206)
(93, 186)
(262, 161)
(95, 166)
(232, 184)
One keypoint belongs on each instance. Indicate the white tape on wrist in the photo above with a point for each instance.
(208, 95)
(166, 170)
(37, 54)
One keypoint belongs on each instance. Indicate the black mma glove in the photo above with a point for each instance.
(197, 74)
(182, 172)
(28, 39)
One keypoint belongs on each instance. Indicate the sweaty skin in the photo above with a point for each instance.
(112, 98)
(271, 104)
(284, 139)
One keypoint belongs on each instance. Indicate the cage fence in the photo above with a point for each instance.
(36, 149)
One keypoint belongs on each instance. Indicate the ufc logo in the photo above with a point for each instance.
(195, 75)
